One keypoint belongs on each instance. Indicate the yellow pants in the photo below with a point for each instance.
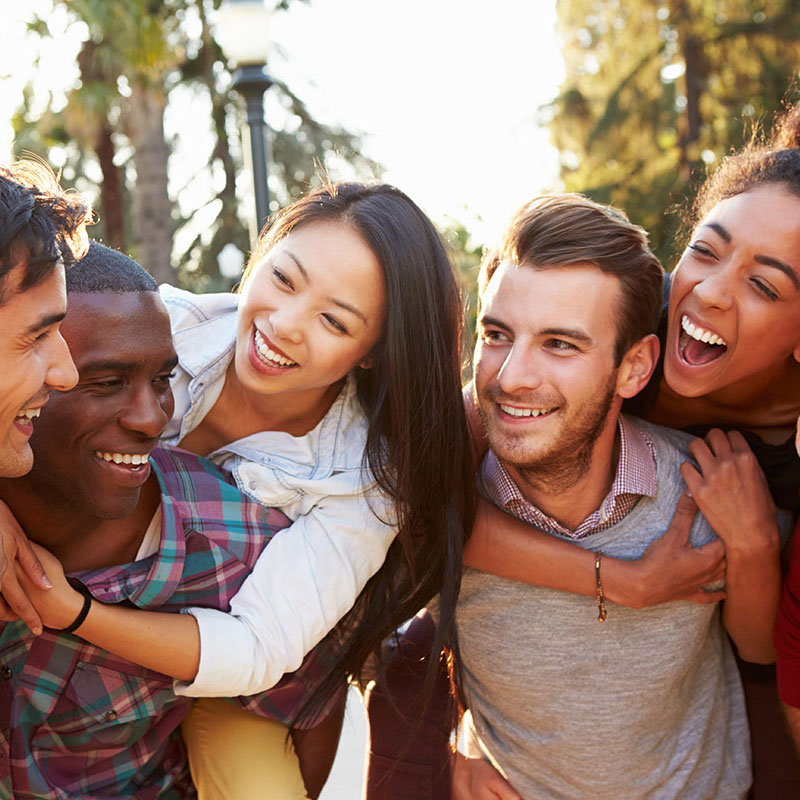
(237, 755)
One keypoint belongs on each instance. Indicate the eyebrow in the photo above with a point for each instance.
(44, 322)
(767, 261)
(109, 365)
(570, 333)
(340, 303)
(790, 273)
(722, 232)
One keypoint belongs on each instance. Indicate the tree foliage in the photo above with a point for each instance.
(137, 58)
(657, 90)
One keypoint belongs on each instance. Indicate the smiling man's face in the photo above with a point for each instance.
(92, 443)
(34, 360)
(545, 374)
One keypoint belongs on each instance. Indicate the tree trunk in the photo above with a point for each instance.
(111, 199)
(152, 208)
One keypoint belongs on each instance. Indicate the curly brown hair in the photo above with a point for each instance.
(764, 160)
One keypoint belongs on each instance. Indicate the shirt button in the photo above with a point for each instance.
(252, 485)
(110, 716)
(6, 674)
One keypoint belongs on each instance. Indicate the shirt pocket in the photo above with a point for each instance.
(105, 710)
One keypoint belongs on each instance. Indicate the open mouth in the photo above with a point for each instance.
(27, 414)
(698, 346)
(526, 413)
(24, 420)
(270, 356)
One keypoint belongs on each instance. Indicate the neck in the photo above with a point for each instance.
(763, 402)
(569, 502)
(78, 539)
(292, 412)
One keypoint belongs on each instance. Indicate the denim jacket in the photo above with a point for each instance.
(343, 524)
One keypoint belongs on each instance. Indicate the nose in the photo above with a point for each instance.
(713, 291)
(147, 411)
(519, 372)
(286, 323)
(61, 372)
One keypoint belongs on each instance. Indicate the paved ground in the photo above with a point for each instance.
(345, 782)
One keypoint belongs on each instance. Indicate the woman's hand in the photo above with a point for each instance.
(57, 607)
(16, 549)
(476, 779)
(731, 491)
(670, 569)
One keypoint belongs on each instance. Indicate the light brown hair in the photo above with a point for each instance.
(559, 230)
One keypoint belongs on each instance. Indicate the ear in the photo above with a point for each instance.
(367, 363)
(637, 366)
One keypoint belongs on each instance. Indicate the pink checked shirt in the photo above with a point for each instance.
(635, 477)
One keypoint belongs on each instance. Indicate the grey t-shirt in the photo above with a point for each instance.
(645, 705)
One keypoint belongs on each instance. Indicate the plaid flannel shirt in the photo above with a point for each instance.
(76, 721)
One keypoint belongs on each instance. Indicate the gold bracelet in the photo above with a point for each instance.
(601, 598)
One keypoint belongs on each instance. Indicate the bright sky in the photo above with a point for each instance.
(445, 92)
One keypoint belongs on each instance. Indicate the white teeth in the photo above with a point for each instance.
(524, 412)
(702, 335)
(29, 413)
(134, 459)
(270, 355)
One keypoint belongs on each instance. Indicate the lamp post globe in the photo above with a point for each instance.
(242, 31)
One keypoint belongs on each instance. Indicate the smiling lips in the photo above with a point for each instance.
(134, 461)
(513, 411)
(698, 346)
(269, 356)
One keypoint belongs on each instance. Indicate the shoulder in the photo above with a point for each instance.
(187, 309)
(205, 502)
(668, 441)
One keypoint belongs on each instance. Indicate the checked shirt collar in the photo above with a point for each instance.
(635, 478)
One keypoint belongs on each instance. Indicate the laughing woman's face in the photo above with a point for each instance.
(734, 311)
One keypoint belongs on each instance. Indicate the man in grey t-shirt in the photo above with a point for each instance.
(566, 701)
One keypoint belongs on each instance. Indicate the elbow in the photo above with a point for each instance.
(763, 654)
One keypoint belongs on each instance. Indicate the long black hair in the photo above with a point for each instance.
(417, 443)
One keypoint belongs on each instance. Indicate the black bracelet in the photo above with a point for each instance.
(83, 613)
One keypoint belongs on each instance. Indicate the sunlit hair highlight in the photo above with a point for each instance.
(40, 224)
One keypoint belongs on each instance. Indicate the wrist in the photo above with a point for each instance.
(74, 609)
(624, 583)
(763, 541)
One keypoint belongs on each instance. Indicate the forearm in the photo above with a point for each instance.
(793, 718)
(753, 587)
(503, 545)
(166, 643)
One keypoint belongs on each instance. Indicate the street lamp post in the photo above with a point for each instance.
(243, 34)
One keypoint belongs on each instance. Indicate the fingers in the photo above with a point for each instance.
(738, 442)
(31, 565)
(682, 519)
(703, 597)
(20, 605)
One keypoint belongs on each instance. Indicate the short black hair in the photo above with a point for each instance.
(41, 225)
(105, 270)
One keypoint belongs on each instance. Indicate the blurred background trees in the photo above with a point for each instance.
(137, 58)
(657, 91)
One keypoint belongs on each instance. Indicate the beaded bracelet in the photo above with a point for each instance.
(601, 598)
